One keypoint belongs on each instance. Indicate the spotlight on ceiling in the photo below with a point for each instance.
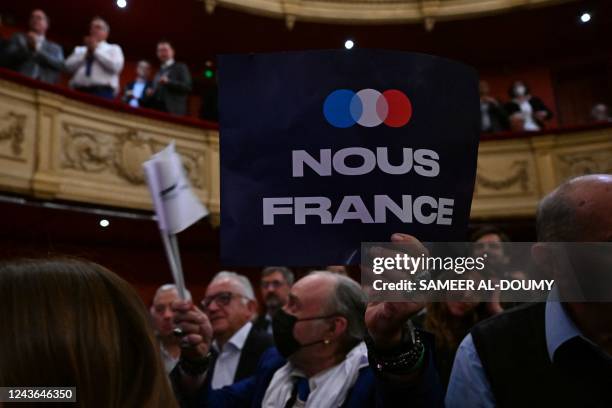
(121, 3)
(104, 223)
(348, 44)
(585, 17)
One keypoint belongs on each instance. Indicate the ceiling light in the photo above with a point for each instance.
(104, 223)
(585, 17)
(348, 44)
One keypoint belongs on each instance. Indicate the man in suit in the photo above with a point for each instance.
(171, 84)
(31, 54)
(136, 90)
(275, 284)
(320, 358)
(237, 346)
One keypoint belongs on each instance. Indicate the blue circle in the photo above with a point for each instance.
(338, 108)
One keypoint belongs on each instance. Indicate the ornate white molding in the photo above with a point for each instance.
(374, 11)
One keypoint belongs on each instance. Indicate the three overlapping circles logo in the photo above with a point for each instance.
(344, 108)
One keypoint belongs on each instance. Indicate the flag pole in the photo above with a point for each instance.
(174, 261)
(180, 284)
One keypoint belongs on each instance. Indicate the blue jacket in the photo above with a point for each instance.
(370, 390)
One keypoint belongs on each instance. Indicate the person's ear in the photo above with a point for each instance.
(339, 326)
(252, 306)
(543, 256)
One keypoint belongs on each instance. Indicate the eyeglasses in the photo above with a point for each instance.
(220, 299)
(271, 284)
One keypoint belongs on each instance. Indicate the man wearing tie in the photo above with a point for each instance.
(171, 84)
(96, 65)
(32, 55)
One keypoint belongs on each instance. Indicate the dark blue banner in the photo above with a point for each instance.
(323, 150)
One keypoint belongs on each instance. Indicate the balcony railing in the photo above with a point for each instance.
(60, 144)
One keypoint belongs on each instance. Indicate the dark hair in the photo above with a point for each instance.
(165, 41)
(489, 229)
(286, 272)
(68, 322)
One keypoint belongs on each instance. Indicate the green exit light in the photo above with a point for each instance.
(208, 73)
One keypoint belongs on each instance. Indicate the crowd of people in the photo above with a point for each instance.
(95, 66)
(317, 342)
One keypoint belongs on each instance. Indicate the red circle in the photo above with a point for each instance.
(400, 108)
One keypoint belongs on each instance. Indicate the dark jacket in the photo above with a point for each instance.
(513, 350)
(44, 64)
(130, 87)
(256, 343)
(370, 390)
(536, 105)
(261, 323)
(172, 96)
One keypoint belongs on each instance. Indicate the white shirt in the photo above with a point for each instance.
(169, 361)
(40, 39)
(527, 112)
(137, 91)
(167, 63)
(105, 69)
(229, 357)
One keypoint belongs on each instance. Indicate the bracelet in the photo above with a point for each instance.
(404, 359)
(195, 367)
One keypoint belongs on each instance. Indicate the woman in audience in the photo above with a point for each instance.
(73, 323)
(526, 112)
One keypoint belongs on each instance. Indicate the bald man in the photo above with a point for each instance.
(556, 354)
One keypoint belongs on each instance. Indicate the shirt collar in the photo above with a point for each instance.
(559, 327)
(167, 63)
(239, 338)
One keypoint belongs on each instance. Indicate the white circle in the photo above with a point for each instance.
(585, 17)
(121, 3)
(369, 115)
(104, 223)
(348, 44)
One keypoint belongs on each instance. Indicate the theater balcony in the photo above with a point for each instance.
(56, 144)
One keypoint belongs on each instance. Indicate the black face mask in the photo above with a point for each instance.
(282, 326)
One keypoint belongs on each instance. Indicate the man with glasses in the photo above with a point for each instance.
(276, 282)
(320, 359)
(230, 306)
